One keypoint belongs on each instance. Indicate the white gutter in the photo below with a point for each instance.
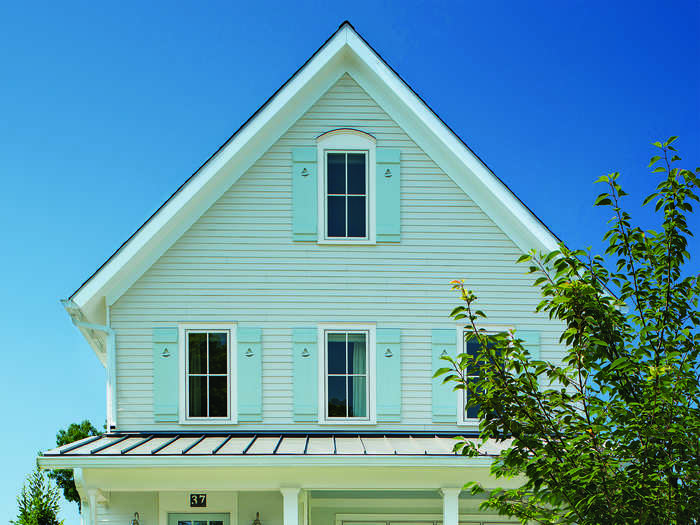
(77, 317)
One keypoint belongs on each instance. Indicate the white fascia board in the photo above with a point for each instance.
(279, 460)
(445, 148)
(212, 180)
(263, 476)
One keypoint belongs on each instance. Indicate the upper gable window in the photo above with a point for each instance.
(346, 158)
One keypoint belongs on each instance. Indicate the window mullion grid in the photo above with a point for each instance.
(347, 374)
(208, 400)
(347, 192)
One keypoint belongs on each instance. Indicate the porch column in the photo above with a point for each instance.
(290, 505)
(450, 505)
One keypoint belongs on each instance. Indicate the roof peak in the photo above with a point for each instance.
(347, 23)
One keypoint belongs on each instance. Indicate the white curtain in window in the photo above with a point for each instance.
(359, 365)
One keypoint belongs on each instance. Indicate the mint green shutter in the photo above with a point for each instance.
(305, 362)
(444, 342)
(249, 374)
(165, 375)
(531, 342)
(388, 195)
(388, 359)
(304, 195)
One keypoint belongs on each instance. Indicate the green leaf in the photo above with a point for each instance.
(654, 159)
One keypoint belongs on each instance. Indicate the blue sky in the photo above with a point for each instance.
(105, 109)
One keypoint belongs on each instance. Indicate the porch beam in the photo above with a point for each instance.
(450, 505)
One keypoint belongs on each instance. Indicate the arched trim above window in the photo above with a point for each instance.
(345, 132)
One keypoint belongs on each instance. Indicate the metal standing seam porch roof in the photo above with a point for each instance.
(128, 444)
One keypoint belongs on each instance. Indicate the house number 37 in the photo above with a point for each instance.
(198, 500)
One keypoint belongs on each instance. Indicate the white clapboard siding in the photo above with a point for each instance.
(238, 263)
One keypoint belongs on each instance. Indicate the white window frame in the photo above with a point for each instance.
(347, 140)
(489, 329)
(371, 330)
(183, 329)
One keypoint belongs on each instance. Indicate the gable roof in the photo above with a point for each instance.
(344, 52)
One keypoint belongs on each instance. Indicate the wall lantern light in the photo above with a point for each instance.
(257, 519)
(135, 520)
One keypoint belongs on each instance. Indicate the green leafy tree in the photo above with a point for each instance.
(611, 434)
(38, 502)
(64, 477)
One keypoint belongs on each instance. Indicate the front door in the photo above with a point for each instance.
(198, 519)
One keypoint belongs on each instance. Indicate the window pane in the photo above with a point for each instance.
(217, 353)
(336, 354)
(184, 523)
(336, 216)
(357, 390)
(218, 395)
(356, 217)
(473, 412)
(216, 523)
(200, 523)
(336, 173)
(337, 397)
(356, 173)
(198, 396)
(357, 354)
(472, 347)
(197, 344)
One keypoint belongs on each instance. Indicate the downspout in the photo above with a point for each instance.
(76, 316)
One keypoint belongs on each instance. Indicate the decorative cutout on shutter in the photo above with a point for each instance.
(388, 195)
(305, 362)
(388, 366)
(304, 198)
(444, 342)
(165, 375)
(249, 374)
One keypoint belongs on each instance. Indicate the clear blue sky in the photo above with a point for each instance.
(105, 110)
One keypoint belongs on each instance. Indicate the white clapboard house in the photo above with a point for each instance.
(270, 334)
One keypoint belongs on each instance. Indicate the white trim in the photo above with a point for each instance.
(347, 140)
(344, 52)
(420, 518)
(490, 329)
(230, 329)
(371, 330)
(419, 461)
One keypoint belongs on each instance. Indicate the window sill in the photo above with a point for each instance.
(346, 422)
(473, 423)
(348, 242)
(207, 422)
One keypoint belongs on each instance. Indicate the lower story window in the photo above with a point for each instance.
(207, 374)
(472, 348)
(472, 375)
(347, 385)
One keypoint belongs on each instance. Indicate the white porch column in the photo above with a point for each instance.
(92, 507)
(290, 505)
(450, 505)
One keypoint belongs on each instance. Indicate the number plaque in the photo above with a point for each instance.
(198, 500)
